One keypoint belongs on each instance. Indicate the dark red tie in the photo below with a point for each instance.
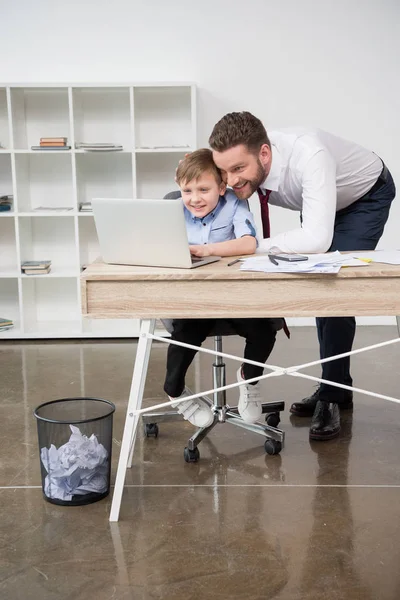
(264, 212)
(267, 232)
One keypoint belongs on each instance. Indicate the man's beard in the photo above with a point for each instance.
(253, 184)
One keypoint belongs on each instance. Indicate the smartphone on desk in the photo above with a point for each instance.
(290, 257)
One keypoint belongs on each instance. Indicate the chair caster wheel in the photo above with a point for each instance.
(272, 447)
(151, 429)
(273, 419)
(191, 456)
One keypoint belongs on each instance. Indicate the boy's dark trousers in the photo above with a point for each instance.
(260, 337)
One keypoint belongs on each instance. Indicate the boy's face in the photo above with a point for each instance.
(200, 196)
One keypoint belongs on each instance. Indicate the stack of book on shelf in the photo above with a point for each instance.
(53, 208)
(85, 207)
(36, 267)
(98, 146)
(5, 202)
(52, 143)
(5, 324)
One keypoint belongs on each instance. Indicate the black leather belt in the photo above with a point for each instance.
(382, 179)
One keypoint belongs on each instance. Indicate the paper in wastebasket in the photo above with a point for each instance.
(80, 466)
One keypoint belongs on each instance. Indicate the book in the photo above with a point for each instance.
(95, 145)
(5, 202)
(6, 327)
(62, 140)
(54, 208)
(52, 144)
(5, 322)
(85, 207)
(98, 146)
(44, 148)
(37, 271)
(35, 264)
(108, 149)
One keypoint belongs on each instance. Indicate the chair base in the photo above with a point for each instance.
(275, 438)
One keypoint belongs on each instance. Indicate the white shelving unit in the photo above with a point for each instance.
(155, 124)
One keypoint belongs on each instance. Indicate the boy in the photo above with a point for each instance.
(217, 224)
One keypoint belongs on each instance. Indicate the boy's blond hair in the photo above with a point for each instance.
(195, 164)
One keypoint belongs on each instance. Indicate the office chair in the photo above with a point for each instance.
(223, 413)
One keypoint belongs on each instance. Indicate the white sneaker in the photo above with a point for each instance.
(196, 411)
(250, 405)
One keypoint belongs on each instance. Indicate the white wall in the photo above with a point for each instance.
(327, 63)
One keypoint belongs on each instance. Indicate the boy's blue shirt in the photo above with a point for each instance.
(229, 220)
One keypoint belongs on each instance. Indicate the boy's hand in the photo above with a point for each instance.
(200, 250)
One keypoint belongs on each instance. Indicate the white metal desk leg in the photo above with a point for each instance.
(398, 325)
(134, 403)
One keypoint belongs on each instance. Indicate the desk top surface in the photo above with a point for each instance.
(98, 271)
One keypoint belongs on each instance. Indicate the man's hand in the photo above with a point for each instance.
(200, 250)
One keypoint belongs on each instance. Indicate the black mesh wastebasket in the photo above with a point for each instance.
(75, 441)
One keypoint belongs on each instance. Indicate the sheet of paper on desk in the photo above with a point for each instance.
(316, 263)
(389, 257)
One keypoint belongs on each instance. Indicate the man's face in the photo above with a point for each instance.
(242, 170)
(200, 196)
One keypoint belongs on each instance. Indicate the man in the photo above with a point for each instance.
(343, 193)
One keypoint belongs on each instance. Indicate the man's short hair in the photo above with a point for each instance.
(238, 128)
(195, 164)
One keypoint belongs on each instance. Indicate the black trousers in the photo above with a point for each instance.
(260, 339)
(357, 227)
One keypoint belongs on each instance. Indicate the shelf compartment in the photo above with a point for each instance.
(163, 117)
(51, 307)
(9, 305)
(8, 249)
(44, 180)
(89, 248)
(39, 112)
(49, 238)
(102, 115)
(124, 328)
(105, 175)
(6, 186)
(4, 129)
(156, 174)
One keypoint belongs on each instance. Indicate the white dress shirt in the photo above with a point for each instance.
(317, 173)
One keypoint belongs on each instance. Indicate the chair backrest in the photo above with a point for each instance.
(172, 195)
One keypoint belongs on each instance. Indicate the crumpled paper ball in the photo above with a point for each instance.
(78, 467)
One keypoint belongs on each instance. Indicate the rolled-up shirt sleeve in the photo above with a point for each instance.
(243, 221)
(318, 181)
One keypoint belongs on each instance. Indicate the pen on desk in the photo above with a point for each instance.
(272, 259)
(233, 262)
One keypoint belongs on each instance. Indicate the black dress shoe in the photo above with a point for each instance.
(325, 423)
(306, 407)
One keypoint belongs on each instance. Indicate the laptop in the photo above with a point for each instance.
(144, 232)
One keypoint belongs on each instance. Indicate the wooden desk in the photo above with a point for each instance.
(217, 291)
